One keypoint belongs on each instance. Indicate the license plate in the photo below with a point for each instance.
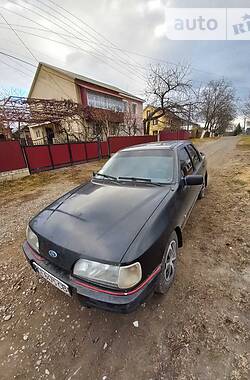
(52, 279)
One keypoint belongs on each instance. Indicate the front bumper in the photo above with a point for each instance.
(90, 295)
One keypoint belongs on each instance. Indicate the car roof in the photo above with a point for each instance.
(171, 144)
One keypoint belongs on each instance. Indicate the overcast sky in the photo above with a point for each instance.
(134, 26)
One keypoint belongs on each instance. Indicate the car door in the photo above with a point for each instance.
(198, 169)
(184, 193)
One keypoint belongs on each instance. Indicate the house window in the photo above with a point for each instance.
(134, 108)
(148, 114)
(155, 122)
(105, 102)
(38, 133)
(125, 106)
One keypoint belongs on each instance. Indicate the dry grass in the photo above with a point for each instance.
(205, 139)
(35, 182)
(243, 178)
(244, 141)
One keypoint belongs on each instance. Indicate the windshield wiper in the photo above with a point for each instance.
(136, 179)
(132, 179)
(140, 179)
(106, 176)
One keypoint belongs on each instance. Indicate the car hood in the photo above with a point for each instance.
(97, 221)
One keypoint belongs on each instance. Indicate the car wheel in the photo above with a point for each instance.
(167, 274)
(203, 189)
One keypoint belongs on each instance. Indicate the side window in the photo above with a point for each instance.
(134, 108)
(194, 155)
(185, 162)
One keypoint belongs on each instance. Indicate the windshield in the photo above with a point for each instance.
(156, 165)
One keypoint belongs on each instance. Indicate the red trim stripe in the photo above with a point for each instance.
(92, 287)
(36, 255)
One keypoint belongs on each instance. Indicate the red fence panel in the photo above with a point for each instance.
(45, 157)
(175, 135)
(119, 142)
(104, 149)
(92, 150)
(60, 154)
(11, 156)
(38, 157)
(78, 152)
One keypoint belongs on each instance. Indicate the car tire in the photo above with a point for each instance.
(168, 271)
(203, 189)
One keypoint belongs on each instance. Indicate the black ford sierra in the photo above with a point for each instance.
(114, 240)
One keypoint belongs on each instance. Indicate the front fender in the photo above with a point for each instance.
(149, 245)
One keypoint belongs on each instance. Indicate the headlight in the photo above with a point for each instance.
(111, 275)
(32, 239)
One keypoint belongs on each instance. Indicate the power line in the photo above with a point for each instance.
(123, 50)
(35, 57)
(55, 74)
(17, 35)
(27, 18)
(14, 68)
(26, 74)
(86, 24)
(18, 59)
(23, 43)
(88, 41)
(110, 47)
(21, 65)
(100, 57)
(50, 74)
(57, 41)
(114, 47)
(50, 39)
(80, 32)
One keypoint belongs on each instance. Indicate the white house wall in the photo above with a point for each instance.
(54, 85)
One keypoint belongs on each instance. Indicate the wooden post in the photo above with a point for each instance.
(50, 156)
(69, 149)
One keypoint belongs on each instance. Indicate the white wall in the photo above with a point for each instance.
(54, 85)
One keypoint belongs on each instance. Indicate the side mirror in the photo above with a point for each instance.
(202, 154)
(192, 180)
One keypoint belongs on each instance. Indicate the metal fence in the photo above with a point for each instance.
(45, 157)
(11, 156)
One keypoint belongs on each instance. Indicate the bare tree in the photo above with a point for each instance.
(6, 93)
(169, 91)
(107, 122)
(19, 112)
(217, 105)
(246, 107)
(71, 129)
(130, 126)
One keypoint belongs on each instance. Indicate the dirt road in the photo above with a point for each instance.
(199, 330)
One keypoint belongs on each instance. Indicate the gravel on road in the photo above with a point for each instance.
(199, 330)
